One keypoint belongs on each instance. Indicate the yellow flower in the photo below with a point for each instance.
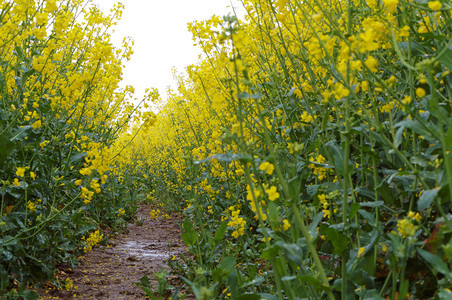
(406, 100)
(406, 228)
(272, 193)
(306, 118)
(286, 224)
(51, 6)
(93, 239)
(86, 195)
(320, 171)
(267, 167)
(37, 124)
(33, 175)
(78, 182)
(414, 216)
(41, 18)
(16, 182)
(95, 185)
(20, 172)
(155, 213)
(404, 31)
(239, 172)
(249, 195)
(420, 92)
(236, 222)
(31, 206)
(69, 285)
(361, 251)
(85, 171)
(43, 144)
(372, 63)
(391, 5)
(435, 5)
(264, 239)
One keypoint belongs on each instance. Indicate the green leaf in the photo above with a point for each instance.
(372, 295)
(288, 278)
(386, 193)
(446, 58)
(19, 53)
(3, 278)
(365, 193)
(248, 297)
(435, 261)
(448, 157)
(339, 240)
(219, 234)
(449, 136)
(189, 236)
(426, 199)
(29, 295)
(311, 280)
(367, 216)
(445, 294)
(338, 157)
(76, 158)
(268, 296)
(188, 226)
(416, 49)
(273, 215)
(372, 204)
(354, 207)
(312, 189)
(224, 268)
(20, 133)
(271, 252)
(226, 157)
(313, 226)
(249, 96)
(421, 130)
(7, 146)
(399, 137)
(419, 160)
(256, 282)
(233, 283)
(227, 264)
(293, 252)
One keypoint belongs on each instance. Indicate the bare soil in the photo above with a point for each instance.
(108, 272)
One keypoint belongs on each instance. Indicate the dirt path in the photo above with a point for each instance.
(108, 272)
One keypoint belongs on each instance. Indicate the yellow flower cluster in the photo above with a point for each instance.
(271, 192)
(69, 284)
(319, 171)
(155, 213)
(93, 239)
(406, 228)
(236, 222)
(267, 167)
(256, 204)
(31, 206)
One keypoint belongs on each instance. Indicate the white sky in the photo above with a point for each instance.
(162, 41)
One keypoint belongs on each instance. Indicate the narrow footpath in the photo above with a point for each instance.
(108, 272)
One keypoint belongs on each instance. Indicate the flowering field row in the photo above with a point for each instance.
(60, 113)
(310, 149)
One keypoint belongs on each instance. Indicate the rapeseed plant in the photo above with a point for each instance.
(325, 126)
